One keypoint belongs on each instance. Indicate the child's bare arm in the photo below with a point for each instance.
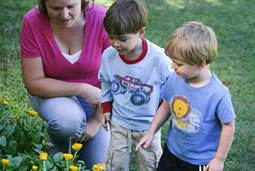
(226, 139)
(159, 119)
(106, 120)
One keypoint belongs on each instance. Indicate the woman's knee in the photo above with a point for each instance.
(66, 126)
(64, 115)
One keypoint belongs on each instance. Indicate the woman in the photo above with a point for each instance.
(61, 46)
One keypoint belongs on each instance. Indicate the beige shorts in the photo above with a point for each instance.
(122, 143)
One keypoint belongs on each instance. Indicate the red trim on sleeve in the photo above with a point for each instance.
(107, 107)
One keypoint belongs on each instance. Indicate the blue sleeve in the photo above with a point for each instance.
(166, 89)
(225, 110)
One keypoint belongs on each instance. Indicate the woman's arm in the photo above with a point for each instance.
(37, 84)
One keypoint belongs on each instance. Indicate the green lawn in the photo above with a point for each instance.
(234, 24)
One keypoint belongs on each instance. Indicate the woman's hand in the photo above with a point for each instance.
(92, 126)
(90, 130)
(92, 95)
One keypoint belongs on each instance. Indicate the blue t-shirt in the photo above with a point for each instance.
(195, 127)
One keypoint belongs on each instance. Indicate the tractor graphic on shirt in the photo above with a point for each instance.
(140, 93)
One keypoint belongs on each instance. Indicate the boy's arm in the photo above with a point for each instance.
(226, 139)
(106, 120)
(107, 104)
(159, 119)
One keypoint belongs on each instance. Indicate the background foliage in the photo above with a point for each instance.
(232, 20)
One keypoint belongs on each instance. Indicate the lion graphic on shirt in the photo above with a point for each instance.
(181, 107)
(185, 117)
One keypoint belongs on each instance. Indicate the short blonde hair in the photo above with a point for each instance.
(192, 43)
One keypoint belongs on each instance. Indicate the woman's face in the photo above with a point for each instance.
(63, 13)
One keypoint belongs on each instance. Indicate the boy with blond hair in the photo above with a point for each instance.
(132, 72)
(202, 125)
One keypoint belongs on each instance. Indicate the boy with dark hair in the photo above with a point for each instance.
(132, 72)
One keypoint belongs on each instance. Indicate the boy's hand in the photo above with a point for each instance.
(106, 119)
(215, 165)
(145, 142)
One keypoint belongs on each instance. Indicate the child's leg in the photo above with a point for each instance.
(147, 159)
(119, 153)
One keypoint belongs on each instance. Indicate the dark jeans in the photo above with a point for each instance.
(169, 162)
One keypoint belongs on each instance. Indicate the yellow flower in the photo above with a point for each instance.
(32, 112)
(5, 102)
(34, 167)
(95, 167)
(102, 166)
(43, 156)
(77, 146)
(98, 167)
(5, 161)
(68, 156)
(73, 168)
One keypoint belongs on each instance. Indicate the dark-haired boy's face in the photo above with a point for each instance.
(125, 43)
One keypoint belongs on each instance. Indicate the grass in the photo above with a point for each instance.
(232, 20)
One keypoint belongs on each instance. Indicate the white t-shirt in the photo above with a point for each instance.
(72, 58)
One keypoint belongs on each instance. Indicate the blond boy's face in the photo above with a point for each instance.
(185, 70)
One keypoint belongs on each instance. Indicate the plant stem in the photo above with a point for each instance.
(44, 165)
(67, 168)
(75, 154)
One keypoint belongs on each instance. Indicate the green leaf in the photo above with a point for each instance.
(49, 165)
(41, 134)
(58, 157)
(54, 168)
(5, 119)
(12, 147)
(38, 146)
(23, 168)
(38, 151)
(9, 130)
(50, 144)
(3, 141)
(16, 161)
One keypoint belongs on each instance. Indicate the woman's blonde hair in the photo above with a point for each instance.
(192, 43)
